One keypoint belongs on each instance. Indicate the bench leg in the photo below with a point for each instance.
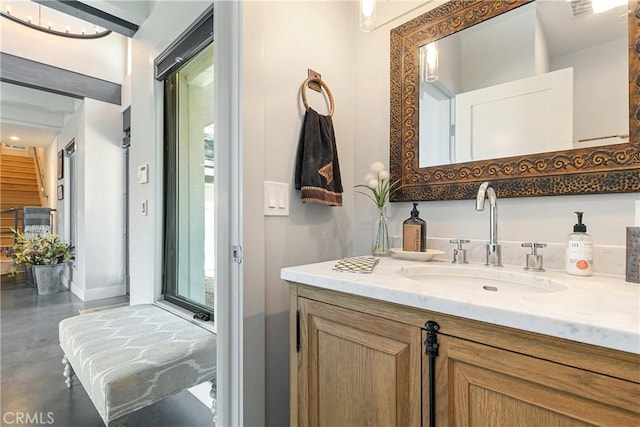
(118, 422)
(214, 403)
(68, 372)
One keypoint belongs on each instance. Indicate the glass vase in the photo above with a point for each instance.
(381, 235)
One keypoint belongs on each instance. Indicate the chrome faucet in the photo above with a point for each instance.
(494, 252)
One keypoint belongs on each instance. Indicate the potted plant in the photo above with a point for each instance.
(47, 256)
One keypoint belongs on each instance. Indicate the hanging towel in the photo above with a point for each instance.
(317, 168)
(34, 215)
(36, 222)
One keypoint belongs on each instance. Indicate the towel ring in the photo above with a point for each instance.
(324, 86)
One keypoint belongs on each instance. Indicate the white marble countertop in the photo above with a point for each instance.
(602, 310)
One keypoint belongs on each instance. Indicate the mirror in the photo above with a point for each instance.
(550, 67)
(530, 162)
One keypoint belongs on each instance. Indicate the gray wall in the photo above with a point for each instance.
(282, 40)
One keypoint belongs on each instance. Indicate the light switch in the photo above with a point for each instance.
(143, 174)
(276, 198)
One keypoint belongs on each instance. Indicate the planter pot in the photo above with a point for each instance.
(28, 274)
(48, 278)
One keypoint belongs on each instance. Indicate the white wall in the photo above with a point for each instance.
(489, 58)
(599, 109)
(101, 216)
(82, 56)
(99, 266)
(541, 55)
(449, 63)
(282, 40)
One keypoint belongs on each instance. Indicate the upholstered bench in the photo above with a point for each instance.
(130, 357)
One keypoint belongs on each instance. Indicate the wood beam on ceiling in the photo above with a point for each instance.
(24, 72)
(92, 15)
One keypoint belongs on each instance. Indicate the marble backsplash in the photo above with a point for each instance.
(607, 259)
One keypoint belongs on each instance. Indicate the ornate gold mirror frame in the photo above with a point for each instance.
(610, 168)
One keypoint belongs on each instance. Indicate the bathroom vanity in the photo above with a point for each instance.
(505, 346)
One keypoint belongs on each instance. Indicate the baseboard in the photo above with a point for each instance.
(98, 293)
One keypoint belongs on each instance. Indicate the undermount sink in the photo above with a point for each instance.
(482, 278)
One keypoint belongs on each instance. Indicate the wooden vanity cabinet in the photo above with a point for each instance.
(356, 369)
(360, 362)
(482, 385)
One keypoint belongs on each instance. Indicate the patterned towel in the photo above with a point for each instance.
(361, 264)
(34, 215)
(36, 222)
(317, 169)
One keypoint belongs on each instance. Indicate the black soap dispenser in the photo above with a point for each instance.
(414, 232)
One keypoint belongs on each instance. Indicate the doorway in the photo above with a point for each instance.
(126, 144)
(70, 201)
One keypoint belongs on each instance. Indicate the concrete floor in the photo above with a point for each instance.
(31, 382)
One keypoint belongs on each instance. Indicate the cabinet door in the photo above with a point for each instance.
(485, 386)
(356, 369)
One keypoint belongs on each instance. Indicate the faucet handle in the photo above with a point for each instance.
(534, 260)
(534, 246)
(460, 242)
(459, 254)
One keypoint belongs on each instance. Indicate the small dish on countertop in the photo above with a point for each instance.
(428, 255)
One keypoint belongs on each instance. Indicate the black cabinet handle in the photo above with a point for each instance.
(431, 350)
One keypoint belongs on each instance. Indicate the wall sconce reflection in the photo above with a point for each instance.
(429, 62)
(367, 15)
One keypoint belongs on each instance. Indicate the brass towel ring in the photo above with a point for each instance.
(324, 86)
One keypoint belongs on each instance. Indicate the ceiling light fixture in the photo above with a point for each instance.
(49, 28)
(14, 138)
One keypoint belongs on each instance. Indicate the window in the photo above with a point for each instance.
(186, 69)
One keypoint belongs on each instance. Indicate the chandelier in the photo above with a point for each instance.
(42, 18)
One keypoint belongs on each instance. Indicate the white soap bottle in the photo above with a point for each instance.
(579, 250)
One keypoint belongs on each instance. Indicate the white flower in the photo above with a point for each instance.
(377, 167)
(378, 185)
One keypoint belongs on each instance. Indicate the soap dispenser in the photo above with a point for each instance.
(414, 232)
(579, 250)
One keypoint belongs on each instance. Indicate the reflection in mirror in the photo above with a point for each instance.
(553, 76)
